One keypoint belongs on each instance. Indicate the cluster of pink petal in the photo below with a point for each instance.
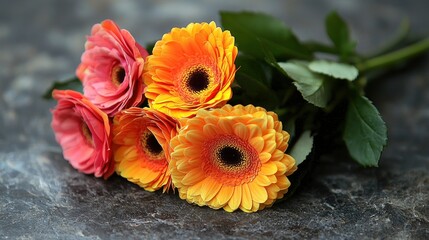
(107, 48)
(82, 123)
(72, 116)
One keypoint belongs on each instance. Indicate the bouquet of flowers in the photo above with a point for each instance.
(229, 118)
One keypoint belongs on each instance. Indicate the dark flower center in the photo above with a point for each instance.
(230, 156)
(87, 133)
(198, 80)
(152, 145)
(118, 75)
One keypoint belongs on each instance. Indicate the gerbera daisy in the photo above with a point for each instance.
(112, 68)
(83, 131)
(230, 158)
(191, 68)
(141, 147)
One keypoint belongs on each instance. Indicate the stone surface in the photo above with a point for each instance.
(42, 197)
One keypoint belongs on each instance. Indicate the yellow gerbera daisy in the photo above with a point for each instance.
(141, 147)
(230, 158)
(191, 68)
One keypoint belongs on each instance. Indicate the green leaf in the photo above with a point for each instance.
(334, 69)
(270, 59)
(302, 148)
(338, 32)
(252, 79)
(314, 88)
(365, 133)
(72, 84)
(252, 67)
(253, 30)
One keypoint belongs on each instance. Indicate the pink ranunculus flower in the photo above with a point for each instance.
(83, 131)
(111, 68)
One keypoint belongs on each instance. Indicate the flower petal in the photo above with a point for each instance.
(210, 189)
(246, 198)
(224, 195)
(264, 157)
(241, 130)
(193, 176)
(257, 143)
(269, 168)
(235, 200)
(259, 194)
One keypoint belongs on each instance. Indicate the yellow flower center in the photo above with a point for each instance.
(118, 75)
(87, 134)
(151, 146)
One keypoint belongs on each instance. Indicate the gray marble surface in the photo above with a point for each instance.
(42, 197)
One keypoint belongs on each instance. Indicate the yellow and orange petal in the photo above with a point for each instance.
(231, 158)
(141, 147)
(191, 68)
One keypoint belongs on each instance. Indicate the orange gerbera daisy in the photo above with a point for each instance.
(191, 68)
(230, 158)
(141, 147)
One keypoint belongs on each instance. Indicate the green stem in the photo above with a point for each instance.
(400, 36)
(395, 57)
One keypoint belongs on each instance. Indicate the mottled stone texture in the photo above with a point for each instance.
(41, 196)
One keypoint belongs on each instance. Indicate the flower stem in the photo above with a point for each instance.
(400, 37)
(395, 57)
